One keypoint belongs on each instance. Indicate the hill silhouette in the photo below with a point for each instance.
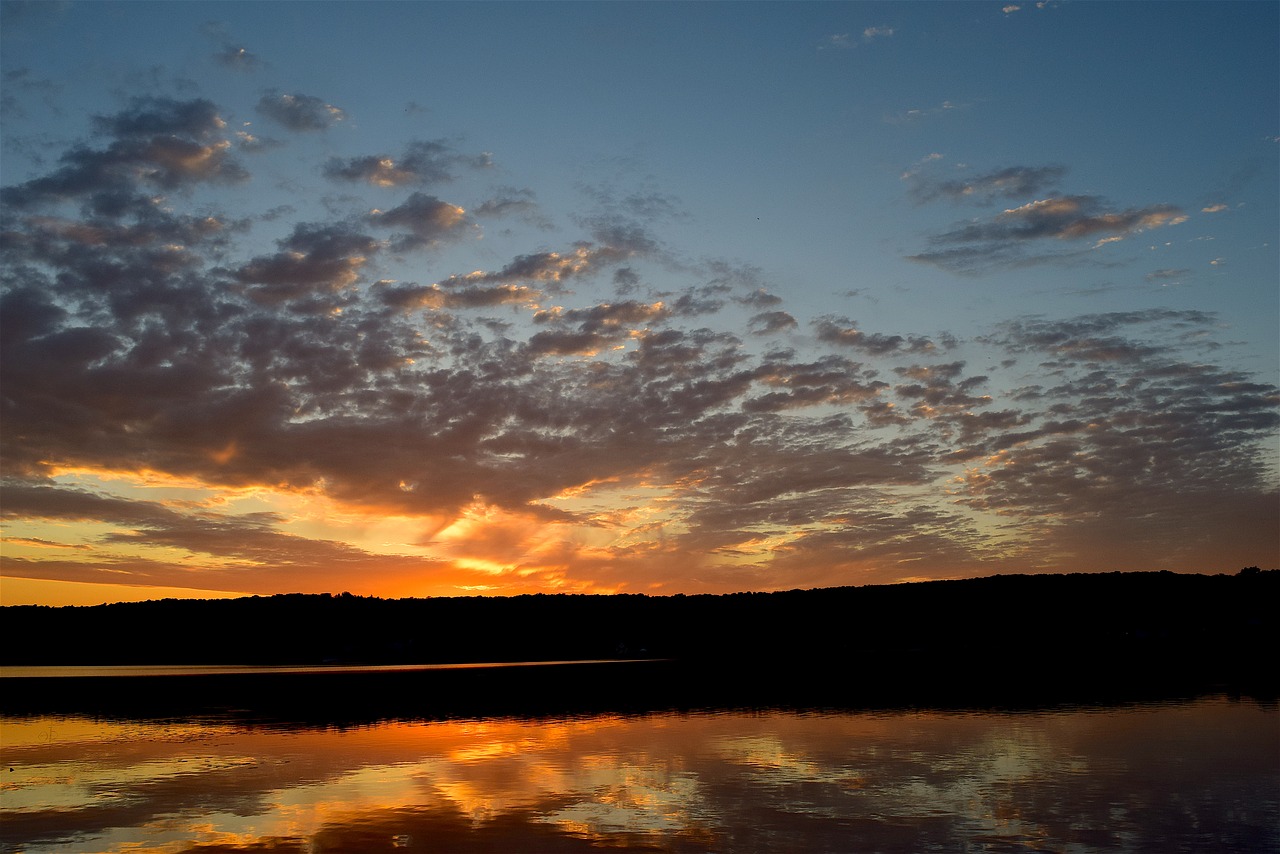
(998, 615)
(1012, 636)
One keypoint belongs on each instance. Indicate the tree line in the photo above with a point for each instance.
(987, 620)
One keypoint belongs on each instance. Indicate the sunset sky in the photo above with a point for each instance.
(422, 299)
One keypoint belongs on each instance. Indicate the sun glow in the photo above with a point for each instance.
(43, 591)
(480, 565)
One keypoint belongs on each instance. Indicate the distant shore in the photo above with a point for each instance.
(1004, 640)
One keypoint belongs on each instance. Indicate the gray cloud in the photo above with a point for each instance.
(1128, 432)
(645, 205)
(1012, 182)
(698, 300)
(1066, 218)
(548, 270)
(1167, 274)
(314, 259)
(513, 201)
(237, 59)
(255, 144)
(844, 333)
(770, 322)
(1096, 337)
(162, 116)
(830, 380)
(759, 298)
(1003, 240)
(156, 142)
(410, 297)
(423, 162)
(936, 391)
(301, 113)
(606, 315)
(426, 219)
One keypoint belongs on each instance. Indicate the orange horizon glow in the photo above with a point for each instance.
(617, 542)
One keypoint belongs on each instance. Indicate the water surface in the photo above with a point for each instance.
(1201, 775)
(85, 671)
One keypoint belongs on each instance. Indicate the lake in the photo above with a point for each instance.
(1188, 775)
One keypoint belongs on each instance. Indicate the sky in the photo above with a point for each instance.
(428, 299)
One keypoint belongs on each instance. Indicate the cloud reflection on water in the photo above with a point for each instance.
(1196, 776)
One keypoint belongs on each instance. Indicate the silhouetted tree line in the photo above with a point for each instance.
(998, 623)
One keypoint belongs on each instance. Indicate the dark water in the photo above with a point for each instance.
(1200, 775)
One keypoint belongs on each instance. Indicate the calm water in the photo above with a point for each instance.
(106, 671)
(1194, 776)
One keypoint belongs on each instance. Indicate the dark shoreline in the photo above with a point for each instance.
(999, 642)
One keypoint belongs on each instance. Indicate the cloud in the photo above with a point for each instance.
(424, 162)
(527, 428)
(698, 300)
(255, 144)
(556, 267)
(1129, 430)
(844, 333)
(1012, 182)
(936, 392)
(230, 54)
(162, 116)
(513, 201)
(624, 220)
(427, 222)
(1002, 240)
(156, 143)
(606, 315)
(550, 270)
(918, 113)
(640, 206)
(845, 41)
(1217, 208)
(830, 380)
(245, 549)
(759, 298)
(314, 259)
(237, 59)
(770, 322)
(1067, 218)
(410, 297)
(568, 343)
(1010, 8)
(1093, 337)
(300, 113)
(1167, 274)
(598, 327)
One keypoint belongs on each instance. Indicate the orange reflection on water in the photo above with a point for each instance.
(1137, 778)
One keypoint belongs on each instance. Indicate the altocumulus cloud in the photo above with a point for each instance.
(424, 162)
(1004, 239)
(552, 422)
(1011, 182)
(1027, 233)
(298, 112)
